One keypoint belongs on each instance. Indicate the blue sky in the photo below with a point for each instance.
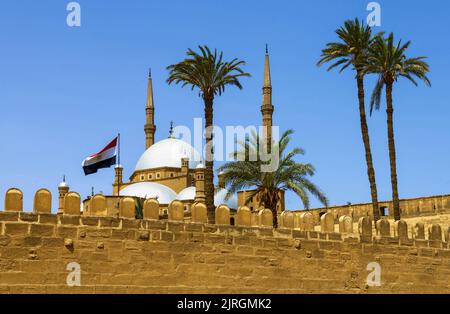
(65, 92)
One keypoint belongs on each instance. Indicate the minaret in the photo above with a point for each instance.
(200, 195)
(118, 181)
(150, 126)
(267, 107)
(63, 189)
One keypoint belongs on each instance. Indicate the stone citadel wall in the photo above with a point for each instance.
(412, 207)
(127, 255)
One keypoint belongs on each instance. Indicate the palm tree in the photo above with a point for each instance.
(208, 72)
(352, 51)
(289, 175)
(389, 61)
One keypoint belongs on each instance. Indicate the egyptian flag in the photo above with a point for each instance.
(103, 159)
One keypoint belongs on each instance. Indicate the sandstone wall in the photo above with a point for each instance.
(118, 254)
(409, 208)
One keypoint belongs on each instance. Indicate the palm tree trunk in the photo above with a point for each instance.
(366, 140)
(273, 209)
(392, 155)
(209, 162)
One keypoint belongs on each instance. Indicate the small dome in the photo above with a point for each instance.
(187, 194)
(164, 194)
(63, 184)
(219, 199)
(168, 153)
(200, 166)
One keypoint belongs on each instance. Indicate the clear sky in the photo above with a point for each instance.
(65, 92)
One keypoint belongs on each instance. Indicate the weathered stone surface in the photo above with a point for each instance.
(345, 224)
(123, 255)
(287, 219)
(98, 205)
(222, 215)
(151, 209)
(176, 211)
(72, 204)
(327, 223)
(307, 222)
(435, 233)
(365, 229)
(42, 201)
(383, 228)
(401, 230)
(265, 218)
(199, 213)
(419, 231)
(243, 216)
(14, 200)
(127, 208)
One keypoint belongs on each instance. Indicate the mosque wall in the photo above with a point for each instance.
(255, 202)
(40, 251)
(174, 178)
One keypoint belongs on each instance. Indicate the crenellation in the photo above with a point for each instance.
(14, 200)
(243, 216)
(120, 251)
(327, 223)
(383, 228)
(72, 204)
(127, 208)
(42, 201)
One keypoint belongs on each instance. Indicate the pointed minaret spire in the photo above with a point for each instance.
(267, 107)
(150, 126)
(171, 130)
(267, 81)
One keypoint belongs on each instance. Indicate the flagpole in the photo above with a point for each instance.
(118, 165)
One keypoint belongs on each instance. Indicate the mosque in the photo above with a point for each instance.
(172, 169)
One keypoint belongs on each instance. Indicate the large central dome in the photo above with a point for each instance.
(168, 153)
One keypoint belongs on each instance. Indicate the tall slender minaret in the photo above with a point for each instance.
(150, 126)
(267, 107)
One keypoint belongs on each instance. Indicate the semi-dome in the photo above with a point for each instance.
(187, 194)
(219, 199)
(168, 153)
(164, 194)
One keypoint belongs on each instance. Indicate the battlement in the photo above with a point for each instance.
(292, 224)
(186, 254)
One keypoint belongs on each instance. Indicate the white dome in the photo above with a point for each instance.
(168, 153)
(187, 194)
(146, 190)
(219, 199)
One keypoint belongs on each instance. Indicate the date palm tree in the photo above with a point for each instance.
(289, 175)
(352, 51)
(210, 74)
(388, 60)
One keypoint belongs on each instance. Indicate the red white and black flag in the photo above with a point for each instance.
(103, 159)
